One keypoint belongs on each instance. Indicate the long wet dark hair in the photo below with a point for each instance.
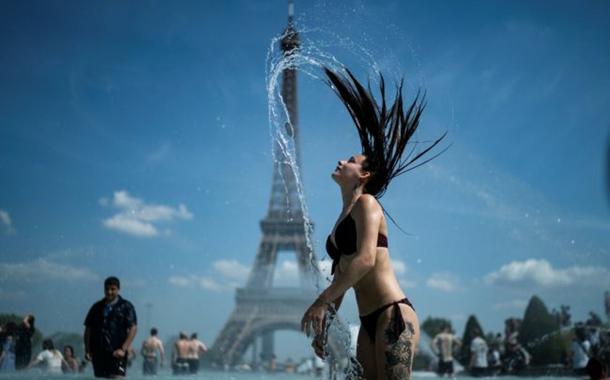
(384, 131)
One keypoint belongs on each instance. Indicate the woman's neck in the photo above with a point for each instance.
(350, 195)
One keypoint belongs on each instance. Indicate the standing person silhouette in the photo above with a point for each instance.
(110, 327)
(389, 331)
(150, 347)
(23, 344)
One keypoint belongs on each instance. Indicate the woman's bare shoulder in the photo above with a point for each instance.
(365, 204)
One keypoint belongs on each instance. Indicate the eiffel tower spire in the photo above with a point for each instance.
(262, 308)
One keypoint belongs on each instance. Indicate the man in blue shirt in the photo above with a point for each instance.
(110, 327)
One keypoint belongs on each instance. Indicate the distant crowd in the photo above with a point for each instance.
(110, 327)
(589, 353)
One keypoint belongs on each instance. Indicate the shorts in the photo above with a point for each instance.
(149, 366)
(445, 367)
(106, 365)
(193, 365)
(478, 371)
(181, 366)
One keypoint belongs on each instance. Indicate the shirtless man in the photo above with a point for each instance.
(443, 345)
(149, 350)
(195, 349)
(180, 362)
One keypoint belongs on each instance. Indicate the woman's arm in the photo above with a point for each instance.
(368, 217)
(338, 301)
(34, 362)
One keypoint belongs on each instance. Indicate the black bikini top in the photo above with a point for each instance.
(345, 236)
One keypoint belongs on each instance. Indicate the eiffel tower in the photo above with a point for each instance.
(262, 309)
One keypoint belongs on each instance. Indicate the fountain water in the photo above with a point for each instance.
(309, 58)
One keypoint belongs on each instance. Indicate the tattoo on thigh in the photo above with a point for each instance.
(354, 371)
(399, 352)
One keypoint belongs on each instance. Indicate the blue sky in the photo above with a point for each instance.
(134, 141)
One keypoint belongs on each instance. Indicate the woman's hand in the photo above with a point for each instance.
(315, 318)
(318, 343)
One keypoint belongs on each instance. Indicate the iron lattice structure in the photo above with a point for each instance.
(262, 309)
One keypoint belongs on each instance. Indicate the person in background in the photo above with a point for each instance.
(494, 359)
(289, 366)
(110, 327)
(51, 359)
(149, 350)
(515, 357)
(180, 361)
(579, 351)
(597, 369)
(196, 348)
(70, 364)
(443, 345)
(23, 344)
(478, 355)
(7, 347)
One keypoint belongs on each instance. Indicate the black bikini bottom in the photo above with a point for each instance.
(369, 321)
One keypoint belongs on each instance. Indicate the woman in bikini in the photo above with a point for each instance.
(389, 331)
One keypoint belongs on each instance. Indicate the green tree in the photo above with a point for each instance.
(433, 326)
(540, 334)
(563, 316)
(594, 319)
(472, 325)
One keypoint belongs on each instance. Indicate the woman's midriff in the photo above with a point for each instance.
(378, 287)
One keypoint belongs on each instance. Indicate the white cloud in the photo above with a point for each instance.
(180, 281)
(541, 272)
(42, 270)
(231, 269)
(443, 281)
(6, 224)
(203, 282)
(286, 274)
(407, 283)
(210, 284)
(512, 304)
(399, 267)
(137, 218)
(131, 226)
(287, 269)
(226, 276)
